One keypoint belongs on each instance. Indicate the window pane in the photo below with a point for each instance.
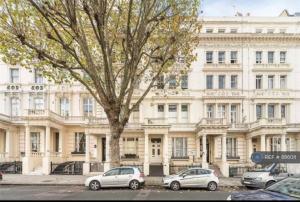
(209, 57)
(184, 82)
(258, 57)
(209, 82)
(172, 82)
(234, 81)
(271, 111)
(233, 57)
(282, 57)
(270, 57)
(221, 57)
(221, 81)
(258, 111)
(160, 82)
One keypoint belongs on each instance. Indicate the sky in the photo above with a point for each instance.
(254, 7)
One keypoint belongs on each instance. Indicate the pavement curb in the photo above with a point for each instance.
(44, 184)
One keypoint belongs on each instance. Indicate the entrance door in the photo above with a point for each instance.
(155, 145)
(56, 142)
(208, 152)
(103, 149)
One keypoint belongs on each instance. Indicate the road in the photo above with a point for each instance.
(9, 192)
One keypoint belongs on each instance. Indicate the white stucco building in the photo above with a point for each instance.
(241, 95)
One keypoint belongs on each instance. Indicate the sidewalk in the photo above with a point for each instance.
(16, 179)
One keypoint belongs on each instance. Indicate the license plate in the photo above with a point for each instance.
(247, 182)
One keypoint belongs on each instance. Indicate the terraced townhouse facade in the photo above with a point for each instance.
(241, 95)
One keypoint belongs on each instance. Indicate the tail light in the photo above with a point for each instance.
(142, 175)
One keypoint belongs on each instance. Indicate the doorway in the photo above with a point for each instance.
(156, 156)
(103, 146)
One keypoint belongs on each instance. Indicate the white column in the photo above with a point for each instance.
(204, 152)
(8, 143)
(224, 152)
(27, 141)
(263, 142)
(249, 149)
(266, 112)
(268, 143)
(47, 158)
(146, 155)
(283, 143)
(86, 165)
(60, 143)
(166, 154)
(48, 141)
(179, 113)
(224, 165)
(197, 147)
(87, 148)
(107, 150)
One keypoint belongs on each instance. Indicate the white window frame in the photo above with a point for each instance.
(258, 82)
(209, 81)
(233, 81)
(231, 147)
(258, 57)
(233, 113)
(15, 106)
(38, 76)
(130, 146)
(271, 81)
(35, 141)
(283, 81)
(259, 114)
(221, 57)
(38, 103)
(282, 57)
(14, 75)
(222, 111)
(270, 57)
(210, 111)
(80, 143)
(209, 57)
(233, 57)
(179, 147)
(271, 114)
(88, 106)
(185, 112)
(64, 106)
(172, 109)
(222, 82)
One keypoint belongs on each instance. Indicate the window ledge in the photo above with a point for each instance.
(184, 158)
(78, 153)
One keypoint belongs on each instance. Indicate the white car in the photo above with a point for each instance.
(130, 177)
(192, 177)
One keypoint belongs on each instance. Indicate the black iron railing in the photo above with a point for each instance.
(67, 168)
(14, 167)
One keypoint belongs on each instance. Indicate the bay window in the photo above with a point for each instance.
(172, 113)
(179, 147)
(35, 141)
(130, 147)
(80, 143)
(231, 147)
(87, 107)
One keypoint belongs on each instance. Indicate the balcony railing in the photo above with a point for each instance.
(267, 121)
(3, 155)
(37, 154)
(221, 67)
(272, 67)
(213, 121)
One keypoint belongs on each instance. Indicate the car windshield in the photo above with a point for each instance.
(266, 168)
(289, 186)
(183, 171)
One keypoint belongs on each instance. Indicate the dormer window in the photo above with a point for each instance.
(258, 31)
(221, 30)
(233, 30)
(209, 30)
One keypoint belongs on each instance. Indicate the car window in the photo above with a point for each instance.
(112, 172)
(203, 172)
(126, 171)
(288, 186)
(191, 172)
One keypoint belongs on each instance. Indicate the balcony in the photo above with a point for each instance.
(267, 122)
(213, 122)
(222, 93)
(210, 67)
(271, 67)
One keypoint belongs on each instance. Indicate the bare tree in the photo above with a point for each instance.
(109, 46)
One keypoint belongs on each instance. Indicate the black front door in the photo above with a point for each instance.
(207, 153)
(103, 149)
(56, 142)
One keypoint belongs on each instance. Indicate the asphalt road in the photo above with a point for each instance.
(9, 192)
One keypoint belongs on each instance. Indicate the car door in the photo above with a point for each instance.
(187, 179)
(125, 176)
(203, 177)
(110, 178)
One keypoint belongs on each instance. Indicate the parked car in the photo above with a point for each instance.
(286, 189)
(130, 177)
(192, 177)
(262, 178)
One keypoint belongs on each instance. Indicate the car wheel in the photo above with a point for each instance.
(212, 186)
(94, 185)
(270, 183)
(175, 186)
(134, 184)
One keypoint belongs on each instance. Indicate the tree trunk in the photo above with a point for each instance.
(114, 151)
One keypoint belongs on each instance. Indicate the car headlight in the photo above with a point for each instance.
(228, 198)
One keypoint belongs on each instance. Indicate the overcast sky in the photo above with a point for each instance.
(254, 7)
